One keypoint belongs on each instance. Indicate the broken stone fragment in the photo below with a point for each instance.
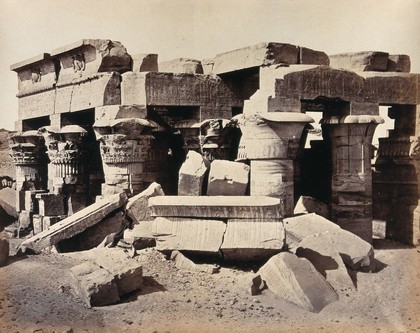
(188, 234)
(181, 65)
(75, 224)
(137, 207)
(320, 249)
(222, 207)
(94, 285)
(252, 283)
(312, 57)
(307, 205)
(297, 281)
(399, 63)
(257, 241)
(4, 251)
(8, 201)
(192, 174)
(183, 263)
(360, 61)
(140, 237)
(228, 178)
(145, 62)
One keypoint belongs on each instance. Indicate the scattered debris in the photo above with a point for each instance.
(183, 263)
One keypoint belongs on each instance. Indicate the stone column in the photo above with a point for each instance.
(271, 142)
(350, 138)
(127, 158)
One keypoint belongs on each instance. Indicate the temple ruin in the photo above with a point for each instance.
(94, 121)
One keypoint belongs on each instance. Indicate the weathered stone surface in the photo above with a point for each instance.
(145, 62)
(112, 112)
(75, 223)
(37, 221)
(48, 221)
(95, 285)
(188, 234)
(8, 201)
(140, 237)
(244, 241)
(297, 281)
(299, 227)
(216, 206)
(360, 61)
(181, 65)
(312, 57)
(192, 173)
(183, 263)
(307, 205)
(50, 204)
(137, 206)
(25, 219)
(258, 55)
(227, 178)
(4, 251)
(399, 63)
(320, 249)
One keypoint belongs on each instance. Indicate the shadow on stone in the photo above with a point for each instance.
(322, 263)
(150, 285)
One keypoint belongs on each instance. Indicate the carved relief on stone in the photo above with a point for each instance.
(79, 62)
(26, 148)
(36, 75)
(116, 148)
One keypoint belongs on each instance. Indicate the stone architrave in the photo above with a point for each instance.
(183, 263)
(312, 57)
(95, 285)
(75, 223)
(219, 207)
(192, 174)
(297, 281)
(245, 241)
(137, 206)
(227, 178)
(360, 61)
(181, 65)
(188, 234)
(320, 249)
(8, 201)
(399, 63)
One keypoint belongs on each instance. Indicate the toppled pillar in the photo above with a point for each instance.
(271, 142)
(350, 138)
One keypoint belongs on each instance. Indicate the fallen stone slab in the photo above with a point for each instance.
(192, 174)
(228, 178)
(299, 227)
(221, 207)
(296, 280)
(181, 65)
(308, 204)
(320, 249)
(137, 207)
(258, 241)
(8, 201)
(140, 237)
(75, 224)
(188, 234)
(183, 263)
(360, 61)
(94, 285)
(4, 251)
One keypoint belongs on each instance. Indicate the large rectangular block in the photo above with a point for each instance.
(222, 207)
(228, 178)
(187, 234)
(360, 61)
(50, 204)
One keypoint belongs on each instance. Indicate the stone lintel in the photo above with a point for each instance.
(360, 61)
(216, 206)
(17, 67)
(110, 112)
(147, 62)
(181, 65)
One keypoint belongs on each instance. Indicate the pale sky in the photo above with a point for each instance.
(201, 29)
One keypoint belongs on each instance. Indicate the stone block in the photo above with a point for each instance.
(379, 228)
(8, 201)
(37, 221)
(137, 207)
(183, 263)
(399, 63)
(111, 112)
(307, 205)
(181, 65)
(140, 237)
(299, 227)
(50, 204)
(48, 221)
(321, 251)
(4, 251)
(244, 241)
(360, 61)
(76, 223)
(312, 57)
(297, 281)
(192, 174)
(227, 178)
(145, 62)
(94, 285)
(262, 54)
(25, 219)
(188, 234)
(76, 202)
(221, 207)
